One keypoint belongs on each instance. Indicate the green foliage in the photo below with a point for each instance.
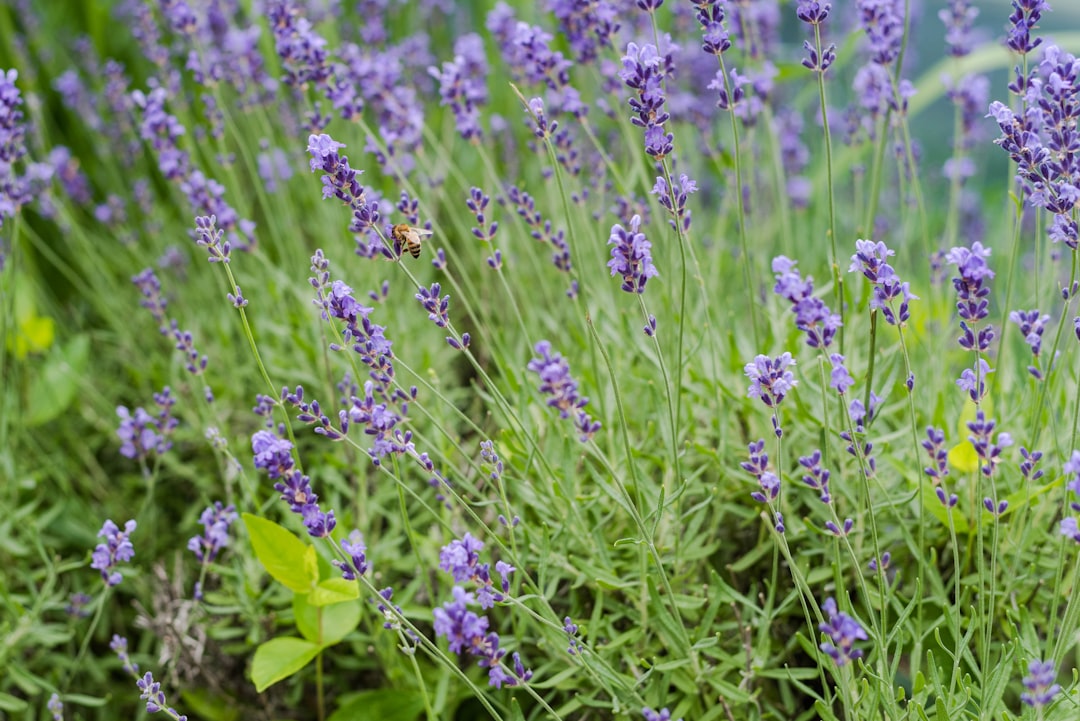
(643, 532)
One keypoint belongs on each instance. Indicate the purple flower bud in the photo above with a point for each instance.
(117, 548)
(843, 632)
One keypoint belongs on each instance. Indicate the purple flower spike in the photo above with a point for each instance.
(870, 259)
(812, 316)
(436, 307)
(1039, 682)
(661, 715)
(215, 521)
(357, 552)
(770, 379)
(556, 381)
(155, 697)
(631, 256)
(119, 646)
(117, 548)
(843, 632)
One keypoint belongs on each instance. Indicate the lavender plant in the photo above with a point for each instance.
(460, 482)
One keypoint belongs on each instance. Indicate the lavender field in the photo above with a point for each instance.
(583, 360)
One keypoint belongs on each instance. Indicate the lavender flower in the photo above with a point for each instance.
(769, 482)
(1032, 325)
(215, 521)
(843, 632)
(13, 190)
(1039, 682)
(340, 181)
(1024, 18)
(207, 235)
(155, 697)
(143, 434)
(571, 630)
(119, 646)
(117, 548)
(273, 455)
(674, 200)
(817, 477)
(662, 715)
(357, 565)
(461, 559)
(477, 204)
(1027, 466)
(715, 38)
(556, 381)
(56, 707)
(939, 457)
(148, 284)
(840, 379)
(462, 84)
(468, 633)
(958, 17)
(974, 383)
(982, 438)
(631, 256)
(812, 316)
(972, 304)
(643, 72)
(436, 307)
(870, 260)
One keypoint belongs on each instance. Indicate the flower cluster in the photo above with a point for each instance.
(155, 697)
(587, 27)
(843, 632)
(468, 633)
(861, 415)
(142, 434)
(771, 381)
(117, 548)
(972, 293)
(815, 13)
(364, 337)
(556, 381)
(477, 203)
(1041, 141)
(988, 450)
(1039, 683)
(274, 455)
(461, 559)
(959, 18)
(1069, 526)
(1025, 18)
(817, 476)
(340, 181)
(631, 256)
(643, 72)
(215, 521)
(661, 715)
(939, 468)
(1032, 325)
(14, 191)
(356, 550)
(674, 199)
(463, 86)
(119, 645)
(812, 316)
(768, 482)
(710, 15)
(871, 259)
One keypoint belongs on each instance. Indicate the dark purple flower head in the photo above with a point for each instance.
(117, 548)
(973, 380)
(631, 256)
(1025, 18)
(843, 632)
(437, 308)
(939, 457)
(817, 476)
(986, 447)
(556, 381)
(674, 199)
(460, 558)
(770, 379)
(643, 72)
(357, 565)
(468, 633)
(870, 259)
(1039, 682)
(273, 454)
(812, 12)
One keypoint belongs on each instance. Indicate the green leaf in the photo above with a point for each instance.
(401, 704)
(289, 560)
(11, 703)
(334, 590)
(204, 704)
(280, 658)
(53, 386)
(325, 625)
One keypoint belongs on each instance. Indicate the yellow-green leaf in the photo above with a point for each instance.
(289, 560)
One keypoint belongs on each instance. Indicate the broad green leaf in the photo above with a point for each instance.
(280, 658)
(325, 625)
(401, 704)
(963, 457)
(289, 560)
(333, 590)
(55, 381)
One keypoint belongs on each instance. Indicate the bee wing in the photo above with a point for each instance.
(421, 232)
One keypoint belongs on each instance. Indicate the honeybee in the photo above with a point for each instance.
(407, 238)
